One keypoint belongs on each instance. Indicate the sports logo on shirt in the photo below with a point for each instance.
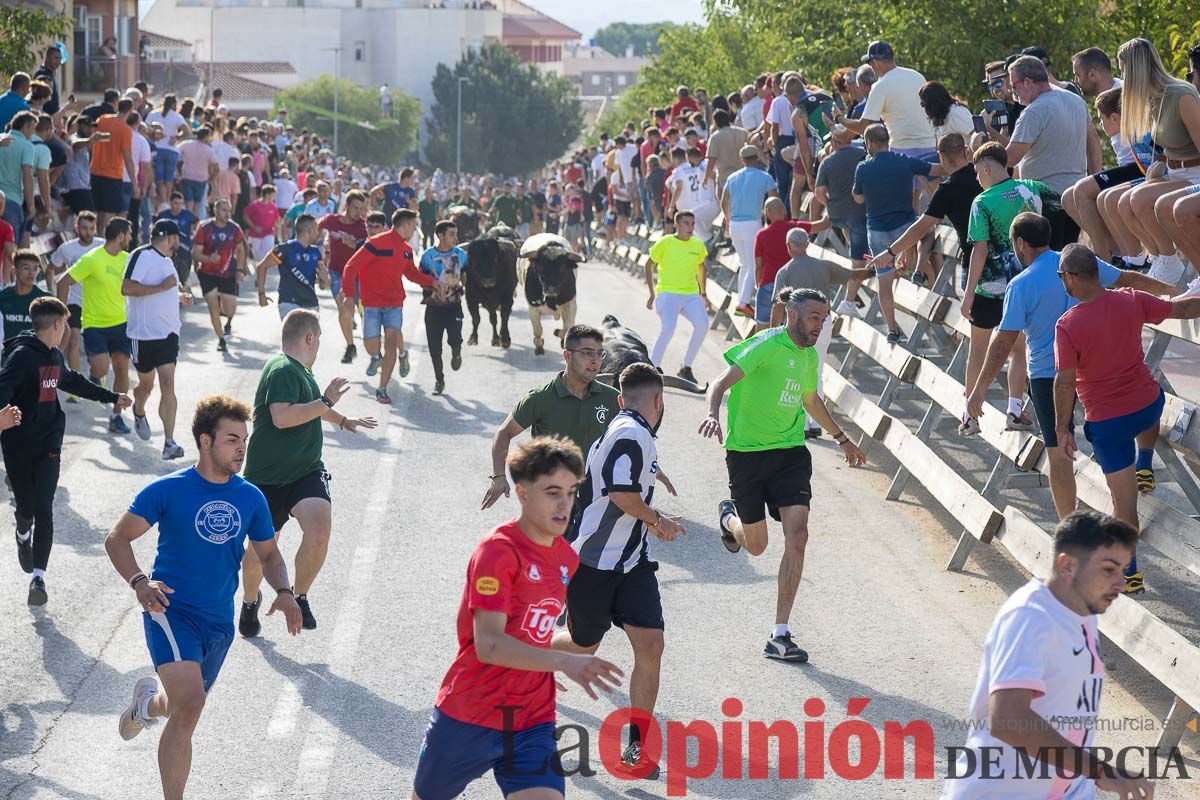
(218, 522)
(534, 573)
(487, 586)
(601, 414)
(540, 619)
(565, 574)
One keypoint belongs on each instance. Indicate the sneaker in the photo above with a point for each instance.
(1145, 480)
(724, 509)
(404, 365)
(24, 536)
(221, 346)
(687, 374)
(228, 327)
(439, 387)
(968, 427)
(894, 337)
(1193, 288)
(37, 592)
(381, 396)
(784, 649)
(848, 309)
(248, 624)
(72, 398)
(349, 355)
(142, 426)
(310, 622)
(455, 358)
(1134, 584)
(132, 722)
(373, 365)
(116, 424)
(1020, 422)
(172, 450)
(633, 756)
(745, 311)
(919, 279)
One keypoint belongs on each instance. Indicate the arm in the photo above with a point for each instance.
(1095, 150)
(152, 595)
(997, 353)
(757, 269)
(1012, 721)
(213, 170)
(500, 442)
(72, 382)
(974, 273)
(1132, 279)
(1016, 151)
(146, 174)
(274, 570)
(62, 284)
(815, 406)
(1185, 308)
(725, 206)
(856, 125)
(494, 646)
(710, 169)
(650, 267)
(631, 503)
(132, 288)
(43, 179)
(131, 170)
(711, 426)
(819, 201)
(1064, 407)
(27, 185)
(416, 276)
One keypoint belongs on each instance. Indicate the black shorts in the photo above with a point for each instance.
(183, 264)
(1117, 175)
(109, 195)
(76, 318)
(79, 200)
(220, 284)
(987, 311)
(771, 478)
(598, 598)
(1041, 392)
(624, 208)
(150, 354)
(282, 499)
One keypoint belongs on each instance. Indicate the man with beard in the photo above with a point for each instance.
(773, 378)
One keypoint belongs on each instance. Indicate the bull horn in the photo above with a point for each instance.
(607, 378)
(675, 382)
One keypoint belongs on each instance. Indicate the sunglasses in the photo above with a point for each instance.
(995, 83)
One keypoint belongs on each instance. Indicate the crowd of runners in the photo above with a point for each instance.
(114, 208)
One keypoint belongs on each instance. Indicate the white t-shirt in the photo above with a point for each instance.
(65, 257)
(693, 194)
(894, 100)
(598, 167)
(957, 121)
(780, 114)
(751, 115)
(171, 123)
(142, 154)
(225, 151)
(285, 193)
(153, 316)
(625, 158)
(1035, 643)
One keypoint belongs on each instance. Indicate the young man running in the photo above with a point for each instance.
(63, 259)
(615, 583)
(154, 294)
(204, 515)
(284, 458)
(679, 260)
(773, 378)
(186, 222)
(345, 231)
(496, 707)
(443, 302)
(301, 269)
(1039, 687)
(32, 372)
(375, 273)
(221, 254)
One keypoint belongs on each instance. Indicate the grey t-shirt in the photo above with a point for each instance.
(836, 174)
(806, 272)
(1055, 126)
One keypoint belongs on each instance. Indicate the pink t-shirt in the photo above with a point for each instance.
(261, 218)
(195, 156)
(1102, 342)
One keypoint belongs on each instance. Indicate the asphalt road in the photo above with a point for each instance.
(340, 711)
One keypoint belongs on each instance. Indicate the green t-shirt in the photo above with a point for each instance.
(678, 264)
(524, 208)
(101, 276)
(552, 410)
(15, 308)
(766, 407)
(992, 213)
(504, 209)
(275, 457)
(428, 211)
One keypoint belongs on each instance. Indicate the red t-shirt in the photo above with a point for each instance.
(770, 244)
(211, 238)
(528, 582)
(261, 218)
(572, 174)
(1102, 342)
(343, 239)
(683, 104)
(7, 235)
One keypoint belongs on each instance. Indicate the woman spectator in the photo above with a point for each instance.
(1183, 223)
(946, 113)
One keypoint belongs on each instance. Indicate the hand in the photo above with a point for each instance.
(152, 595)
(708, 306)
(499, 487)
(884, 259)
(667, 528)
(336, 389)
(352, 424)
(263, 300)
(1127, 788)
(285, 602)
(666, 484)
(10, 417)
(650, 302)
(711, 426)
(186, 298)
(123, 402)
(975, 405)
(987, 119)
(964, 307)
(1066, 441)
(169, 281)
(590, 671)
(854, 456)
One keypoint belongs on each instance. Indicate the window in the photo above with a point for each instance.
(125, 43)
(95, 33)
(621, 80)
(360, 51)
(595, 79)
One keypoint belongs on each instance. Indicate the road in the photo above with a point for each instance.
(340, 711)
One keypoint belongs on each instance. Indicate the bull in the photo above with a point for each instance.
(548, 272)
(491, 281)
(622, 347)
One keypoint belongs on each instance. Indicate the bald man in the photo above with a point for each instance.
(771, 253)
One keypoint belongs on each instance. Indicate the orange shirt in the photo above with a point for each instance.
(107, 158)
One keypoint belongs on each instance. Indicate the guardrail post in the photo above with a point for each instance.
(932, 415)
(1173, 726)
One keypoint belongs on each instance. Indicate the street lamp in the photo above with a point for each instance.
(458, 134)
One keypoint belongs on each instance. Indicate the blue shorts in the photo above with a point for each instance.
(14, 215)
(179, 635)
(193, 191)
(455, 753)
(857, 229)
(335, 284)
(106, 340)
(377, 319)
(880, 241)
(1113, 444)
(763, 302)
(165, 163)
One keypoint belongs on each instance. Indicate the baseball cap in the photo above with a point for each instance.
(164, 227)
(748, 151)
(880, 50)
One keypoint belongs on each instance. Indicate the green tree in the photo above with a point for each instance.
(362, 133)
(616, 37)
(24, 32)
(516, 118)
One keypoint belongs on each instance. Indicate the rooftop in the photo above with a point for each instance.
(537, 26)
(161, 40)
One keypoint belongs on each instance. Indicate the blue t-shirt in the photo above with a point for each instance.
(885, 180)
(747, 189)
(11, 104)
(396, 197)
(185, 220)
(315, 208)
(202, 529)
(1035, 300)
(298, 272)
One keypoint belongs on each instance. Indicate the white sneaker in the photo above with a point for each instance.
(132, 722)
(848, 309)
(1168, 269)
(1193, 288)
(141, 425)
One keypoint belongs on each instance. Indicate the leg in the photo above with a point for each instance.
(1122, 485)
(73, 348)
(1125, 240)
(791, 566)
(228, 306)
(976, 351)
(345, 310)
(213, 300)
(315, 516)
(391, 347)
(98, 367)
(473, 310)
(505, 313)
(434, 328)
(1143, 200)
(1062, 481)
(1131, 220)
(371, 346)
(698, 317)
(181, 701)
(1080, 201)
(667, 306)
(495, 330)
(45, 485)
(167, 402)
(647, 663)
(120, 365)
(141, 392)
(1185, 215)
(887, 300)
(535, 320)
(750, 535)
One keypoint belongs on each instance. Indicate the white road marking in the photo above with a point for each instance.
(283, 721)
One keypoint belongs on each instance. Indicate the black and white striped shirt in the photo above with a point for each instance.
(624, 459)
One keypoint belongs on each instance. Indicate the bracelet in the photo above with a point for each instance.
(326, 401)
(285, 590)
(494, 477)
(136, 579)
(890, 251)
(657, 519)
(840, 437)
(342, 424)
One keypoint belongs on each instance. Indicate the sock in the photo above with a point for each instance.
(1133, 568)
(781, 629)
(1014, 406)
(1135, 261)
(39, 573)
(144, 707)
(635, 735)
(728, 516)
(1145, 459)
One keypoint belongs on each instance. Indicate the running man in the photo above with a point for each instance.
(443, 302)
(689, 192)
(204, 515)
(682, 277)
(773, 378)
(153, 293)
(186, 222)
(345, 231)
(32, 371)
(62, 260)
(284, 458)
(220, 251)
(496, 707)
(395, 195)
(301, 269)
(1041, 681)
(615, 583)
(16, 299)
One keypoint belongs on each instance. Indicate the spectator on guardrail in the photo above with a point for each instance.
(17, 160)
(894, 100)
(13, 101)
(724, 150)
(771, 253)
(782, 135)
(946, 113)
(1098, 355)
(742, 202)
(833, 197)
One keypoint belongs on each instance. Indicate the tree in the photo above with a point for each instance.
(516, 118)
(618, 36)
(362, 133)
(24, 32)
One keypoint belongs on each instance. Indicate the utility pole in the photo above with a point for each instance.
(458, 135)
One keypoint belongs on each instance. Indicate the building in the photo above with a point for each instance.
(598, 73)
(536, 38)
(105, 51)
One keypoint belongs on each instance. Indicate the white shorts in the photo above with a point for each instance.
(260, 246)
(1189, 174)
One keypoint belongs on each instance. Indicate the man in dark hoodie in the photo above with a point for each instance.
(30, 376)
